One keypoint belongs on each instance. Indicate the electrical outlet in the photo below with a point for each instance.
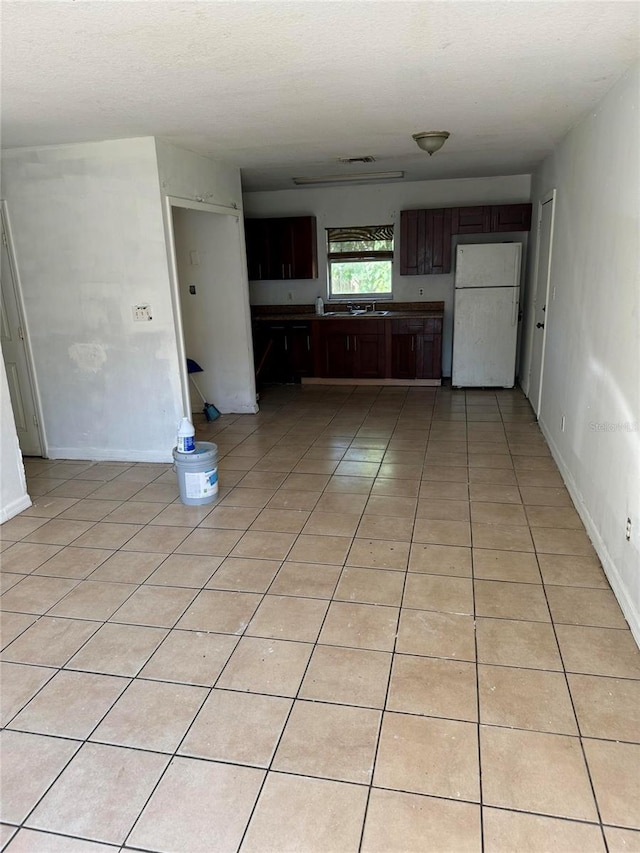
(421, 291)
(290, 296)
(627, 532)
(562, 423)
(141, 313)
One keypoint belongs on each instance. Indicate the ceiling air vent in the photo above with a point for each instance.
(350, 160)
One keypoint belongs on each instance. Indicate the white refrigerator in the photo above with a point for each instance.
(485, 315)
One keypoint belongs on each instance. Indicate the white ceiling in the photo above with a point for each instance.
(286, 88)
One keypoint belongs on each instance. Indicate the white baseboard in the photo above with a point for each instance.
(629, 609)
(99, 454)
(248, 409)
(14, 508)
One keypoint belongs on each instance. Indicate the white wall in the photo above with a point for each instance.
(91, 236)
(592, 363)
(380, 204)
(192, 176)
(88, 232)
(209, 253)
(13, 487)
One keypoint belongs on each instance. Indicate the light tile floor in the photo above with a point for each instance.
(390, 633)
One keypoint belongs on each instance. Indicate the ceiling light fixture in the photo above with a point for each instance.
(431, 140)
(358, 177)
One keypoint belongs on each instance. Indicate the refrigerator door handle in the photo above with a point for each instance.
(514, 311)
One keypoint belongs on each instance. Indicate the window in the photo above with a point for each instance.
(359, 261)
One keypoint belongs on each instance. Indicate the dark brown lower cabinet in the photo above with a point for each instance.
(415, 349)
(407, 348)
(282, 351)
(350, 349)
(404, 348)
(299, 348)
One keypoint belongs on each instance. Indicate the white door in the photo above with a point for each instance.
(15, 359)
(485, 330)
(488, 265)
(541, 305)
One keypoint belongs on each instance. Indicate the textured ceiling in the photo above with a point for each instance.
(287, 88)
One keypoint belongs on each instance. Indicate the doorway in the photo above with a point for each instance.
(15, 350)
(211, 305)
(546, 213)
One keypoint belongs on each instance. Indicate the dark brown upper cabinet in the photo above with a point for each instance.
(471, 220)
(511, 217)
(425, 241)
(282, 248)
(425, 235)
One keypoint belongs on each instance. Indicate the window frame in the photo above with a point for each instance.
(355, 234)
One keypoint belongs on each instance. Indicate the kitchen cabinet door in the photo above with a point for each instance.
(403, 356)
(402, 353)
(429, 357)
(511, 217)
(429, 350)
(282, 248)
(257, 237)
(349, 348)
(412, 241)
(425, 241)
(299, 348)
(440, 240)
(471, 220)
(337, 360)
(271, 348)
(284, 351)
(303, 259)
(367, 354)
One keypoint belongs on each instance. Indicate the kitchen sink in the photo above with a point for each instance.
(358, 312)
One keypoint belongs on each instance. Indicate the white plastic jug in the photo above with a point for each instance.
(319, 305)
(186, 440)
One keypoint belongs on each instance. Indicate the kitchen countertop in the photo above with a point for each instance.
(370, 315)
(305, 313)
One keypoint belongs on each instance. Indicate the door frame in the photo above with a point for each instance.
(5, 221)
(169, 202)
(549, 196)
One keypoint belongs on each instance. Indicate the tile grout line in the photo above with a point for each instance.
(332, 598)
(209, 694)
(577, 722)
(386, 697)
(477, 672)
(295, 698)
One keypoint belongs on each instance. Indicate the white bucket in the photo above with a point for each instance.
(197, 474)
